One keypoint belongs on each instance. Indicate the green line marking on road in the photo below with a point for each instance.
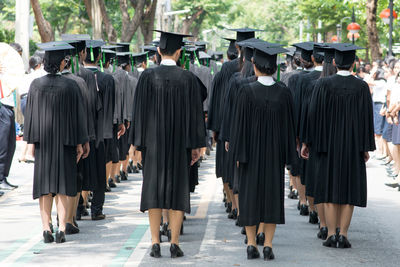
(129, 246)
(34, 250)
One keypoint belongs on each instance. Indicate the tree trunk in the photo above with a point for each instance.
(110, 30)
(97, 20)
(187, 23)
(129, 26)
(147, 26)
(45, 30)
(373, 37)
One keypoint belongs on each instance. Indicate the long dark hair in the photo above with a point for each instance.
(328, 69)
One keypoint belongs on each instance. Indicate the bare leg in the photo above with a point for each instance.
(108, 171)
(346, 213)
(269, 230)
(232, 198)
(115, 170)
(302, 191)
(30, 154)
(62, 210)
(311, 203)
(251, 235)
(45, 203)
(85, 196)
(261, 228)
(175, 223)
(331, 216)
(228, 196)
(165, 216)
(70, 209)
(24, 151)
(131, 152)
(321, 214)
(236, 197)
(125, 164)
(155, 219)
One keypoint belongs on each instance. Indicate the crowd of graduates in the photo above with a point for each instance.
(98, 112)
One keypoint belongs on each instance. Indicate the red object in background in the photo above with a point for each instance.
(385, 14)
(334, 39)
(354, 27)
(350, 36)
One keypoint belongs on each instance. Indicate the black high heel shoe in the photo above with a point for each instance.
(260, 239)
(323, 233)
(268, 254)
(331, 242)
(313, 217)
(60, 237)
(155, 251)
(48, 237)
(252, 253)
(175, 251)
(343, 242)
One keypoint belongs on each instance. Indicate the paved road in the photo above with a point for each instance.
(210, 239)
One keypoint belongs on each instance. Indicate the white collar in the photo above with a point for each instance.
(343, 73)
(318, 68)
(266, 80)
(310, 69)
(168, 62)
(299, 68)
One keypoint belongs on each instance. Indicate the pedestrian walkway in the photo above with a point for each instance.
(209, 239)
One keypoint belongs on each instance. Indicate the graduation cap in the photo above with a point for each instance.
(108, 54)
(204, 55)
(326, 51)
(123, 58)
(290, 53)
(171, 41)
(55, 51)
(93, 48)
(217, 55)
(244, 33)
(122, 47)
(76, 40)
(318, 52)
(111, 47)
(201, 45)
(232, 45)
(140, 57)
(266, 56)
(150, 49)
(306, 50)
(345, 53)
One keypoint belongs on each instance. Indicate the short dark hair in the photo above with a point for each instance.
(96, 53)
(17, 47)
(344, 67)
(265, 70)
(34, 61)
(167, 52)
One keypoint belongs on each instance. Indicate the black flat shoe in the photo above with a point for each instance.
(237, 221)
(117, 179)
(252, 253)
(70, 229)
(243, 232)
(392, 185)
(268, 254)
(108, 189)
(98, 217)
(75, 223)
(331, 242)
(337, 231)
(1, 193)
(343, 242)
(155, 251)
(233, 214)
(60, 237)
(111, 183)
(313, 217)
(175, 251)
(164, 229)
(139, 165)
(135, 169)
(260, 239)
(229, 207)
(323, 233)
(124, 176)
(48, 237)
(245, 240)
(51, 228)
(304, 210)
(298, 205)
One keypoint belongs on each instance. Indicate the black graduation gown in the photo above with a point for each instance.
(236, 82)
(168, 124)
(304, 86)
(55, 124)
(220, 87)
(204, 74)
(340, 130)
(286, 76)
(263, 141)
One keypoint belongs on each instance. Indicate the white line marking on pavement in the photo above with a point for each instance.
(22, 250)
(140, 251)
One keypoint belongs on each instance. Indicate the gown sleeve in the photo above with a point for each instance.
(227, 110)
(289, 128)
(213, 107)
(366, 121)
(31, 129)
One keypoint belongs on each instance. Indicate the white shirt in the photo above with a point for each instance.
(168, 62)
(395, 95)
(343, 73)
(266, 80)
(29, 79)
(318, 68)
(379, 91)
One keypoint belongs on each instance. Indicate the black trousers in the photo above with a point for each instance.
(7, 140)
(100, 186)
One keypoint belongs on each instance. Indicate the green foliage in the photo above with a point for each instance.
(7, 36)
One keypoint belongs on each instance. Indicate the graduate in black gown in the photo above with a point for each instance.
(263, 141)
(215, 113)
(305, 49)
(304, 85)
(341, 131)
(55, 125)
(169, 129)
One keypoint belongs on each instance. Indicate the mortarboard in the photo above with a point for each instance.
(140, 57)
(266, 56)
(122, 47)
(345, 53)
(204, 55)
(306, 50)
(217, 55)
(150, 49)
(327, 51)
(201, 45)
(112, 47)
(55, 51)
(232, 45)
(171, 41)
(124, 57)
(291, 52)
(244, 33)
